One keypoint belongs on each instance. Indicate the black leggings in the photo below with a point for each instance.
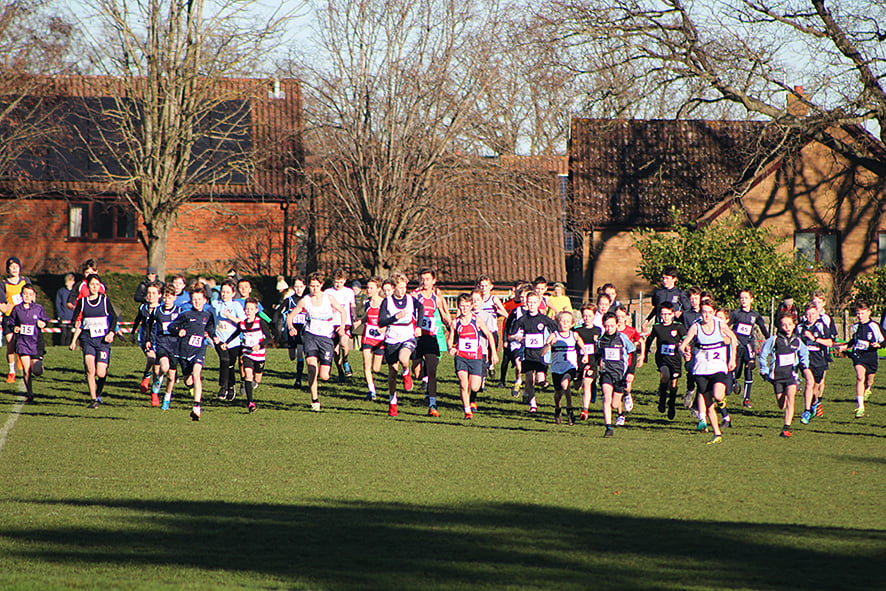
(227, 361)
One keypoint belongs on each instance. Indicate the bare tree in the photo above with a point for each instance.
(750, 54)
(35, 42)
(390, 113)
(177, 126)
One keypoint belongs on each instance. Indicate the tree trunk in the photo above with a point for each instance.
(158, 236)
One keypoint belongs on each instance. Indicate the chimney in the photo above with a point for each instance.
(795, 105)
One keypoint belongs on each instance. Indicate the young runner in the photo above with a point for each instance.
(610, 290)
(10, 297)
(782, 357)
(294, 342)
(690, 317)
(565, 347)
(491, 305)
(194, 328)
(28, 319)
(164, 344)
(621, 314)
(668, 292)
(613, 359)
(513, 347)
(589, 334)
(151, 300)
(63, 314)
(228, 314)
(465, 346)
(866, 339)
(604, 304)
(427, 350)
(317, 334)
(346, 299)
(540, 287)
(817, 298)
(668, 335)
(182, 296)
(817, 338)
(400, 314)
(255, 334)
(95, 329)
(559, 302)
(710, 345)
(532, 329)
(89, 267)
(742, 322)
(372, 344)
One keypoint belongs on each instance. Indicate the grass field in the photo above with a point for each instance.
(131, 497)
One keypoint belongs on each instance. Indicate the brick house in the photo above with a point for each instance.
(631, 174)
(55, 210)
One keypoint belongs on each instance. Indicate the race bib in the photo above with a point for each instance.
(715, 354)
(27, 329)
(786, 359)
(251, 339)
(588, 349)
(514, 345)
(668, 349)
(862, 345)
(813, 347)
(97, 327)
(612, 354)
(744, 329)
(535, 341)
(467, 346)
(374, 332)
(300, 318)
(427, 324)
(166, 326)
(17, 299)
(195, 340)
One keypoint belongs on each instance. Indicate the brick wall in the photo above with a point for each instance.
(205, 239)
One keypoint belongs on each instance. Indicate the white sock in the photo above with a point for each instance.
(432, 401)
(394, 399)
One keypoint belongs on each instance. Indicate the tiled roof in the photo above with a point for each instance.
(627, 174)
(269, 127)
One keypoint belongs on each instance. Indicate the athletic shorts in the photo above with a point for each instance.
(705, 383)
(187, 364)
(534, 366)
(558, 377)
(474, 367)
(818, 373)
(745, 355)
(165, 349)
(868, 360)
(672, 371)
(378, 349)
(97, 348)
(253, 364)
(781, 386)
(618, 383)
(426, 344)
(318, 347)
(392, 350)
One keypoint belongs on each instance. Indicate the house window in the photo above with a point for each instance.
(817, 248)
(101, 220)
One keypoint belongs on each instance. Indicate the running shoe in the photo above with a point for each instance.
(608, 432)
(196, 412)
(558, 416)
(469, 415)
(433, 412)
(702, 426)
(672, 409)
(407, 381)
(370, 396)
(570, 417)
(515, 392)
(867, 394)
(315, 405)
(715, 440)
(727, 422)
(251, 407)
(817, 409)
(93, 404)
(629, 402)
(474, 406)
(786, 433)
(695, 415)
(155, 399)
(144, 385)
(347, 367)
(502, 385)
(157, 384)
(804, 418)
(533, 409)
(583, 416)
(620, 421)
(746, 403)
(232, 393)
(392, 410)
(689, 398)
(859, 412)
(165, 405)
(10, 378)
(223, 393)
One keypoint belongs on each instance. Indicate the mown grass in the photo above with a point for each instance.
(131, 497)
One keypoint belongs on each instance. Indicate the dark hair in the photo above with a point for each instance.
(670, 271)
(339, 273)
(168, 289)
(588, 306)
(463, 297)
(230, 283)
(666, 306)
(92, 276)
(539, 280)
(609, 315)
(250, 300)
(427, 271)
(87, 264)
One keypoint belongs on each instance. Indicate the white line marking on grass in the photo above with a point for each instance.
(10, 422)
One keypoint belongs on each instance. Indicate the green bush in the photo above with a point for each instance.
(723, 258)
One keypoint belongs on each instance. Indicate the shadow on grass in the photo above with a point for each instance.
(360, 545)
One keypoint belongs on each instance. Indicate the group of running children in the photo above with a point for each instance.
(408, 331)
